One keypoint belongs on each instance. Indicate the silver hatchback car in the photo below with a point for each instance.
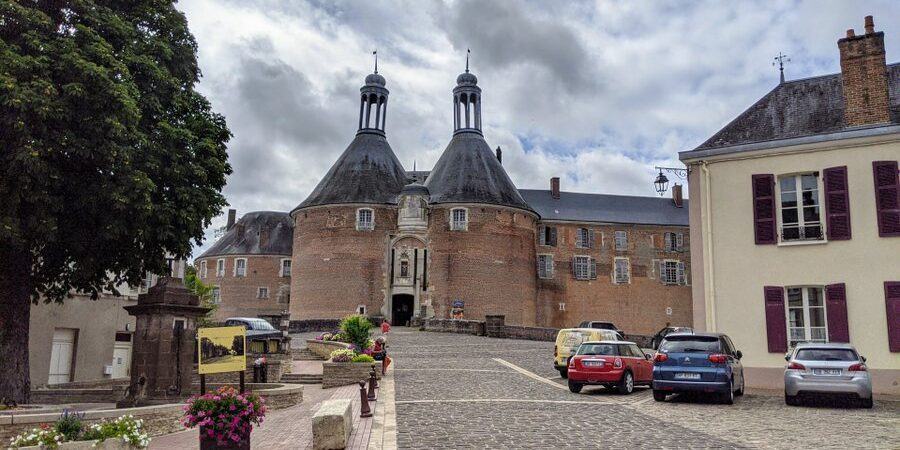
(826, 369)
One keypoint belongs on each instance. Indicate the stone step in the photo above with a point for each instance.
(302, 378)
(304, 354)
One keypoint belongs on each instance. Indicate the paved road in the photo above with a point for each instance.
(459, 391)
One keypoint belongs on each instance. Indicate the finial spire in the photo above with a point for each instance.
(376, 60)
(467, 59)
(780, 60)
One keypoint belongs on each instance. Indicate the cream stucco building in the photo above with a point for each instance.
(795, 218)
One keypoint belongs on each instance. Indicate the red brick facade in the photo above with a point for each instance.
(239, 296)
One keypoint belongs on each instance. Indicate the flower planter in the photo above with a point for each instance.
(210, 443)
(108, 444)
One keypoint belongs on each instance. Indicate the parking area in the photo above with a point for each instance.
(461, 391)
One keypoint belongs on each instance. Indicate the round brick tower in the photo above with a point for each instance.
(343, 229)
(481, 232)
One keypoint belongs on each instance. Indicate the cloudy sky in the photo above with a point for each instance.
(596, 93)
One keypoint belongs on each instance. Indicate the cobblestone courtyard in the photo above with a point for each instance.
(460, 391)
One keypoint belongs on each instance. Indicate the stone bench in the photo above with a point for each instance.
(332, 424)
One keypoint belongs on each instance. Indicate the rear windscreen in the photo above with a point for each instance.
(690, 344)
(826, 354)
(597, 349)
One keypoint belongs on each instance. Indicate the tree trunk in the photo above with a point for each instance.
(15, 308)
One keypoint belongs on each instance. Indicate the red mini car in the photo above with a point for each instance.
(617, 364)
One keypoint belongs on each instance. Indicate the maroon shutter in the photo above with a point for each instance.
(887, 197)
(892, 301)
(837, 203)
(764, 208)
(836, 311)
(776, 328)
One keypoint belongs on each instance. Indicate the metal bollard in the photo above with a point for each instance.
(373, 377)
(372, 397)
(364, 410)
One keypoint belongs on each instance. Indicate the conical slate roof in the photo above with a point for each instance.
(367, 172)
(468, 172)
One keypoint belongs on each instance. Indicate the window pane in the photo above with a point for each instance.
(808, 182)
(817, 317)
(788, 184)
(815, 296)
(788, 199)
(789, 216)
(791, 233)
(814, 232)
(795, 317)
(810, 198)
(827, 354)
(818, 334)
(795, 297)
(811, 214)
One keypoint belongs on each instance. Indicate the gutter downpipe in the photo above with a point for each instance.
(708, 265)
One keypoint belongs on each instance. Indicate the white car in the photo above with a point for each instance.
(826, 369)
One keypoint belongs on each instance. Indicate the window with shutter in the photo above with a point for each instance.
(764, 208)
(593, 269)
(621, 240)
(590, 240)
(579, 243)
(621, 275)
(776, 330)
(681, 274)
(552, 236)
(679, 242)
(542, 235)
(581, 267)
(545, 266)
(892, 303)
(837, 203)
(887, 197)
(669, 241)
(836, 305)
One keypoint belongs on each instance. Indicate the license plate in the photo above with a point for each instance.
(593, 364)
(687, 376)
(827, 371)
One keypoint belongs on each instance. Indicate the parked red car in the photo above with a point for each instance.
(618, 364)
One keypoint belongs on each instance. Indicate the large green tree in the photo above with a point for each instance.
(110, 158)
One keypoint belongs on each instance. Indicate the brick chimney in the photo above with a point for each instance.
(864, 77)
(554, 187)
(232, 213)
(677, 197)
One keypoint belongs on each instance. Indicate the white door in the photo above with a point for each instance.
(61, 356)
(121, 363)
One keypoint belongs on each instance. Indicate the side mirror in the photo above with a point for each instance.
(738, 354)
(787, 357)
(647, 357)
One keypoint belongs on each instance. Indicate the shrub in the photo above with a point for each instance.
(356, 328)
(342, 355)
(69, 425)
(363, 359)
(226, 415)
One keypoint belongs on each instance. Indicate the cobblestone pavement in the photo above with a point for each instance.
(460, 391)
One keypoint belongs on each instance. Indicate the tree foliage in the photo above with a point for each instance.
(110, 158)
(205, 292)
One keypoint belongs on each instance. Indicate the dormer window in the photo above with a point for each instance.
(459, 219)
(365, 219)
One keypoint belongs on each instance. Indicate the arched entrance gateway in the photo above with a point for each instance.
(402, 307)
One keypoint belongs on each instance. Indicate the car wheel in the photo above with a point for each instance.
(564, 373)
(740, 390)
(659, 396)
(728, 397)
(791, 400)
(626, 386)
(575, 387)
(867, 403)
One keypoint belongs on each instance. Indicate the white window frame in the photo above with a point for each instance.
(290, 266)
(459, 225)
(583, 237)
(235, 271)
(203, 271)
(621, 237)
(562, 306)
(262, 292)
(576, 267)
(673, 241)
(216, 295)
(365, 225)
(361, 310)
(807, 329)
(801, 224)
(220, 268)
(627, 274)
(545, 268)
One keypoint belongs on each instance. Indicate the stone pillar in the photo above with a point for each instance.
(165, 340)
(494, 326)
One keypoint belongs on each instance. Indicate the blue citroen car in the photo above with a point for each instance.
(698, 362)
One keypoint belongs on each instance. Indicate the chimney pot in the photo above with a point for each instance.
(554, 187)
(870, 25)
(232, 213)
(851, 33)
(677, 197)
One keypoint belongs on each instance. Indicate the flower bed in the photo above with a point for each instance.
(70, 432)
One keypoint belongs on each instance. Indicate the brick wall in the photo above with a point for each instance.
(490, 266)
(337, 267)
(303, 326)
(636, 307)
(239, 294)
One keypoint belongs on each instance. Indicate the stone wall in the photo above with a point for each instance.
(530, 333)
(278, 364)
(342, 374)
(499, 329)
(239, 295)
(58, 396)
(324, 348)
(276, 395)
(454, 326)
(307, 325)
(158, 420)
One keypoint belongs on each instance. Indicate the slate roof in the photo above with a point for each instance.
(244, 237)
(367, 172)
(578, 207)
(468, 172)
(797, 108)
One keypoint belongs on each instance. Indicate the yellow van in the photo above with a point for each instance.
(568, 340)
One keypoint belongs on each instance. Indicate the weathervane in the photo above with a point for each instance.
(467, 59)
(376, 60)
(780, 60)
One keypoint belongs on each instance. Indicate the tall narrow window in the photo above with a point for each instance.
(547, 235)
(584, 238)
(220, 268)
(581, 267)
(285, 267)
(621, 241)
(545, 266)
(800, 208)
(240, 267)
(404, 267)
(621, 271)
(674, 241)
(806, 315)
(670, 272)
(216, 295)
(202, 269)
(365, 219)
(459, 220)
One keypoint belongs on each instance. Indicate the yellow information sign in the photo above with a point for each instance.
(221, 349)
